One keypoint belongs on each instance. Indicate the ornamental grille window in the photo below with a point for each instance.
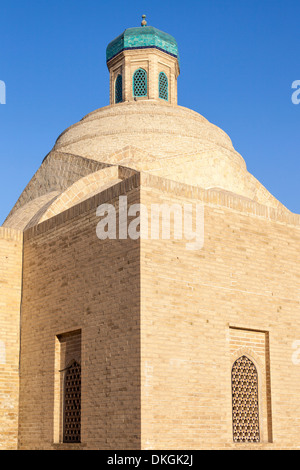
(245, 413)
(163, 86)
(119, 89)
(72, 404)
(140, 83)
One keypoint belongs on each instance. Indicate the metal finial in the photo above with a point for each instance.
(144, 22)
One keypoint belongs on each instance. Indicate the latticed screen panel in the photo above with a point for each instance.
(245, 410)
(119, 89)
(163, 86)
(140, 83)
(72, 404)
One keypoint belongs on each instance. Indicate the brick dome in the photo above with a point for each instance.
(162, 140)
(154, 127)
(168, 141)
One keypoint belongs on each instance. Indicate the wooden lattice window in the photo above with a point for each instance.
(72, 403)
(140, 83)
(245, 411)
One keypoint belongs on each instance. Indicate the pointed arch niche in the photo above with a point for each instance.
(67, 388)
(250, 386)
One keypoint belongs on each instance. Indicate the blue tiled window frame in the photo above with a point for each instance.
(161, 76)
(118, 92)
(134, 85)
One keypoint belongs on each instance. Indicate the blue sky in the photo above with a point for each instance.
(239, 59)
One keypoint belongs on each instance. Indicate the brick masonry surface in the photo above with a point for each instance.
(201, 310)
(161, 326)
(92, 286)
(11, 245)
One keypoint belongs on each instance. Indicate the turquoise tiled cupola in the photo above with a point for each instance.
(144, 65)
(142, 38)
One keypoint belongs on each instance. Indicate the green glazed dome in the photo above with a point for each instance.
(142, 38)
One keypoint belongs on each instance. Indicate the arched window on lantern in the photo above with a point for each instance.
(119, 89)
(140, 83)
(163, 86)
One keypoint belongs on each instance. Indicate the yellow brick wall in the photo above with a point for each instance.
(160, 325)
(73, 281)
(246, 277)
(10, 298)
